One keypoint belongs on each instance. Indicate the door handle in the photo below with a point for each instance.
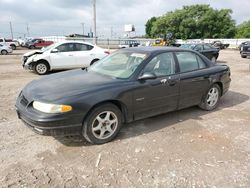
(70, 55)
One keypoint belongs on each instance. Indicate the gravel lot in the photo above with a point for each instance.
(187, 148)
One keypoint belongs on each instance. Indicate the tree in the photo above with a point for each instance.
(195, 22)
(243, 30)
(149, 25)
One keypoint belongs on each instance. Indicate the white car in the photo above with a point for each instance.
(4, 49)
(63, 55)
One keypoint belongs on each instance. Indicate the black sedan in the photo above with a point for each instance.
(128, 85)
(207, 50)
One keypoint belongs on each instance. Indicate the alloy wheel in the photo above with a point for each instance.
(41, 68)
(104, 125)
(213, 96)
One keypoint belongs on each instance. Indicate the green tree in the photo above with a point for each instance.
(243, 30)
(149, 25)
(196, 22)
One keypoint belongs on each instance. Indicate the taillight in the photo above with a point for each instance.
(107, 52)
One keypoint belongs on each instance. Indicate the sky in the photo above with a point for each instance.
(63, 17)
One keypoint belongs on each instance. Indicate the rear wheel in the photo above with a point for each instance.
(102, 124)
(41, 68)
(4, 52)
(13, 46)
(243, 56)
(211, 99)
(93, 61)
(32, 47)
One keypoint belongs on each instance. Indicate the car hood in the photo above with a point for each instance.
(66, 84)
(33, 52)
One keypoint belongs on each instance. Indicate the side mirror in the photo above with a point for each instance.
(54, 50)
(147, 76)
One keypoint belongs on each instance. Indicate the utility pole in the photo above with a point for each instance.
(82, 29)
(111, 32)
(28, 30)
(94, 21)
(11, 31)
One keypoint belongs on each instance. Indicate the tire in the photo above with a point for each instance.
(98, 127)
(211, 99)
(243, 56)
(4, 52)
(32, 47)
(213, 59)
(13, 47)
(41, 68)
(93, 61)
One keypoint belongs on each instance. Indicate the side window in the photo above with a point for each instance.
(189, 61)
(161, 65)
(68, 47)
(201, 63)
(83, 47)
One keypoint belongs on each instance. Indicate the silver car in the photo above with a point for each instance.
(4, 49)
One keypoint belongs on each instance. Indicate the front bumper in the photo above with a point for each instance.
(243, 53)
(48, 124)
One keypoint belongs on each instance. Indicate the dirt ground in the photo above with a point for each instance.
(187, 148)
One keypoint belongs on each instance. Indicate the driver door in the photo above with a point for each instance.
(160, 95)
(64, 58)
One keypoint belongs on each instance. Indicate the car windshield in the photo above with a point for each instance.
(188, 46)
(48, 47)
(119, 65)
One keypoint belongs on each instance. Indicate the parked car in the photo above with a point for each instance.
(63, 55)
(38, 43)
(243, 43)
(30, 41)
(245, 50)
(130, 84)
(205, 49)
(219, 44)
(4, 49)
(8, 42)
(129, 43)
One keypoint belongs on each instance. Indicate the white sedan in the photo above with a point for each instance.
(63, 55)
(4, 49)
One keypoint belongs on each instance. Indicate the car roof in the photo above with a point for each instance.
(149, 49)
(73, 41)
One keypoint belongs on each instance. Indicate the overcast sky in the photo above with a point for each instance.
(60, 17)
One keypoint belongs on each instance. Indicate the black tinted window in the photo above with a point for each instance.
(187, 61)
(83, 47)
(161, 65)
(66, 47)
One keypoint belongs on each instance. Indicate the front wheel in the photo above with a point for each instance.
(4, 52)
(41, 68)
(243, 56)
(211, 99)
(102, 124)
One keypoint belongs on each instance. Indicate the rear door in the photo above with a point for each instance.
(194, 78)
(83, 54)
(159, 95)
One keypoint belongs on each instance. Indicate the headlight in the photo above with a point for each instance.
(51, 108)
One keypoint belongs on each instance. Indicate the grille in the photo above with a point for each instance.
(24, 101)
